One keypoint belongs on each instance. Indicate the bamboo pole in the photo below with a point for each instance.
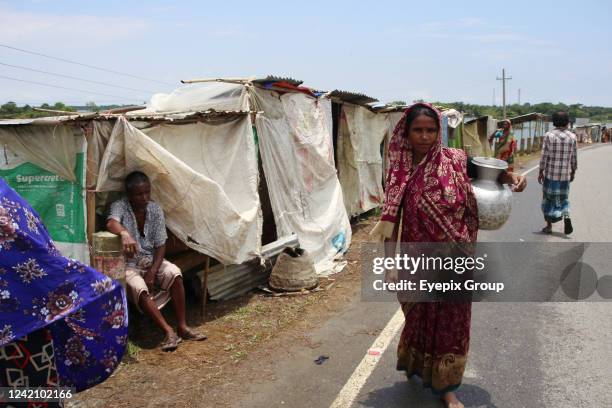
(125, 109)
(229, 80)
(59, 112)
(205, 286)
(90, 179)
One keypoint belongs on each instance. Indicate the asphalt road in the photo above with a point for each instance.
(521, 354)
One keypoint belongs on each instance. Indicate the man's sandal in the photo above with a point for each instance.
(189, 335)
(547, 230)
(171, 342)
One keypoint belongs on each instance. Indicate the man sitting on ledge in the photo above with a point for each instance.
(141, 225)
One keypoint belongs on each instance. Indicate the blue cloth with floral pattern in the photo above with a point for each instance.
(85, 311)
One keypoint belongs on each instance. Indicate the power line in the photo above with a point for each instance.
(77, 78)
(84, 65)
(67, 88)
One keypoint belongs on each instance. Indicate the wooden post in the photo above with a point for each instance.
(531, 124)
(205, 286)
(90, 180)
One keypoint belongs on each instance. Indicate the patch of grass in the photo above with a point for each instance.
(239, 355)
(131, 352)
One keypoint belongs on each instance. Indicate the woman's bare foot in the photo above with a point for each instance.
(451, 401)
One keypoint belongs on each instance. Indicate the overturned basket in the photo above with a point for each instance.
(293, 271)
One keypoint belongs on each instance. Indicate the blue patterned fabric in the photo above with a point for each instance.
(85, 311)
(555, 200)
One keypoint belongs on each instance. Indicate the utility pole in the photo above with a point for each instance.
(493, 96)
(504, 78)
(519, 98)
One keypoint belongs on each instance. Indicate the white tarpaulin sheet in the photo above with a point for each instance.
(393, 119)
(359, 158)
(220, 96)
(209, 196)
(52, 148)
(297, 155)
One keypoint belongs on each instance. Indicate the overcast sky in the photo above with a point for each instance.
(392, 50)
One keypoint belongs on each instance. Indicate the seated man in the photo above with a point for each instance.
(140, 223)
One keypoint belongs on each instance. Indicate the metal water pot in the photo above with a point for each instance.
(494, 199)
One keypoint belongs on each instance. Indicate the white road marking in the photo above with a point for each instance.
(365, 368)
(530, 170)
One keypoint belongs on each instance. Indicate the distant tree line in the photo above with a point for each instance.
(10, 110)
(595, 113)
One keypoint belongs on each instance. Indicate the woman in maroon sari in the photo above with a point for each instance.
(428, 189)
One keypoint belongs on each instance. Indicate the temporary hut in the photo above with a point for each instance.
(359, 132)
(293, 129)
(529, 130)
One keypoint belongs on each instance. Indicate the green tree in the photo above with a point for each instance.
(9, 108)
(91, 106)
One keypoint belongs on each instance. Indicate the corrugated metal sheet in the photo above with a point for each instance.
(229, 281)
(480, 118)
(274, 78)
(390, 108)
(208, 115)
(352, 97)
(529, 118)
(48, 120)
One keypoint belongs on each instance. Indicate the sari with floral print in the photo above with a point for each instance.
(78, 315)
(435, 203)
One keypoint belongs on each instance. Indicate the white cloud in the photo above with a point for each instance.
(18, 27)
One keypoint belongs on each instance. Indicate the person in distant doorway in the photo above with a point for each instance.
(140, 223)
(557, 170)
(505, 145)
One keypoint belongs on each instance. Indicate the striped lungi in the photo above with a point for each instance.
(555, 200)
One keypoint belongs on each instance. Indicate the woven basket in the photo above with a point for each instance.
(293, 271)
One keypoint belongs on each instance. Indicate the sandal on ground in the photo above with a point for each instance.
(171, 342)
(547, 230)
(189, 335)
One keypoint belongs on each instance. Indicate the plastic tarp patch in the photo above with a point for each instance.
(393, 119)
(475, 140)
(359, 158)
(52, 148)
(295, 136)
(59, 202)
(211, 204)
(220, 96)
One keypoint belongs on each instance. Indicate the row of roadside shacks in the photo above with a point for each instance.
(269, 162)
(298, 135)
(593, 133)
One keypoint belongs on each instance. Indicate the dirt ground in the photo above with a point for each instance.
(243, 337)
